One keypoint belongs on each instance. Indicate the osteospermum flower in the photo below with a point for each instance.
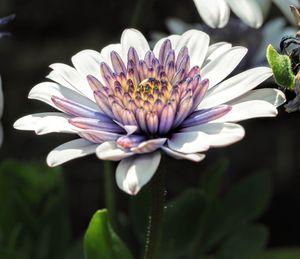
(216, 13)
(129, 103)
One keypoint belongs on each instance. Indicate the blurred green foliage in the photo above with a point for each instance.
(33, 219)
(206, 220)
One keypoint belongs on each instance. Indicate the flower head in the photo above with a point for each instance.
(216, 13)
(129, 102)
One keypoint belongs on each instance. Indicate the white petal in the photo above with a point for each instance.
(87, 62)
(197, 43)
(149, 146)
(235, 86)
(110, 151)
(250, 12)
(189, 142)
(220, 134)
(215, 13)
(249, 110)
(70, 150)
(134, 38)
(44, 92)
(134, 172)
(215, 50)
(220, 67)
(196, 157)
(270, 95)
(44, 123)
(174, 40)
(78, 81)
(105, 52)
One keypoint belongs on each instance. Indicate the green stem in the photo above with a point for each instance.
(154, 229)
(110, 193)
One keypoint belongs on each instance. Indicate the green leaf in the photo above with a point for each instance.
(7, 254)
(101, 242)
(245, 243)
(244, 202)
(282, 68)
(212, 179)
(181, 216)
(280, 253)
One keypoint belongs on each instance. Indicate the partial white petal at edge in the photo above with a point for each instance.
(70, 150)
(46, 122)
(134, 172)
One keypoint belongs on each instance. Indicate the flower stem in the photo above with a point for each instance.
(154, 229)
(110, 193)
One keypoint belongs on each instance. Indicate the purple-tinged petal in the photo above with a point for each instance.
(98, 136)
(102, 102)
(117, 63)
(110, 151)
(77, 109)
(196, 157)
(170, 70)
(149, 146)
(94, 83)
(106, 72)
(149, 57)
(91, 123)
(179, 76)
(183, 53)
(204, 116)
(117, 110)
(70, 150)
(134, 172)
(189, 142)
(199, 93)
(184, 64)
(141, 119)
(143, 70)
(152, 122)
(130, 141)
(132, 55)
(170, 58)
(166, 119)
(184, 110)
(164, 50)
(194, 71)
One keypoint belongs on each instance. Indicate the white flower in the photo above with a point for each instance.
(128, 103)
(215, 13)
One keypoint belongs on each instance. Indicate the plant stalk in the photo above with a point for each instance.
(154, 229)
(109, 191)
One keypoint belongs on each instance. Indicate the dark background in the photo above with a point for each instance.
(51, 31)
